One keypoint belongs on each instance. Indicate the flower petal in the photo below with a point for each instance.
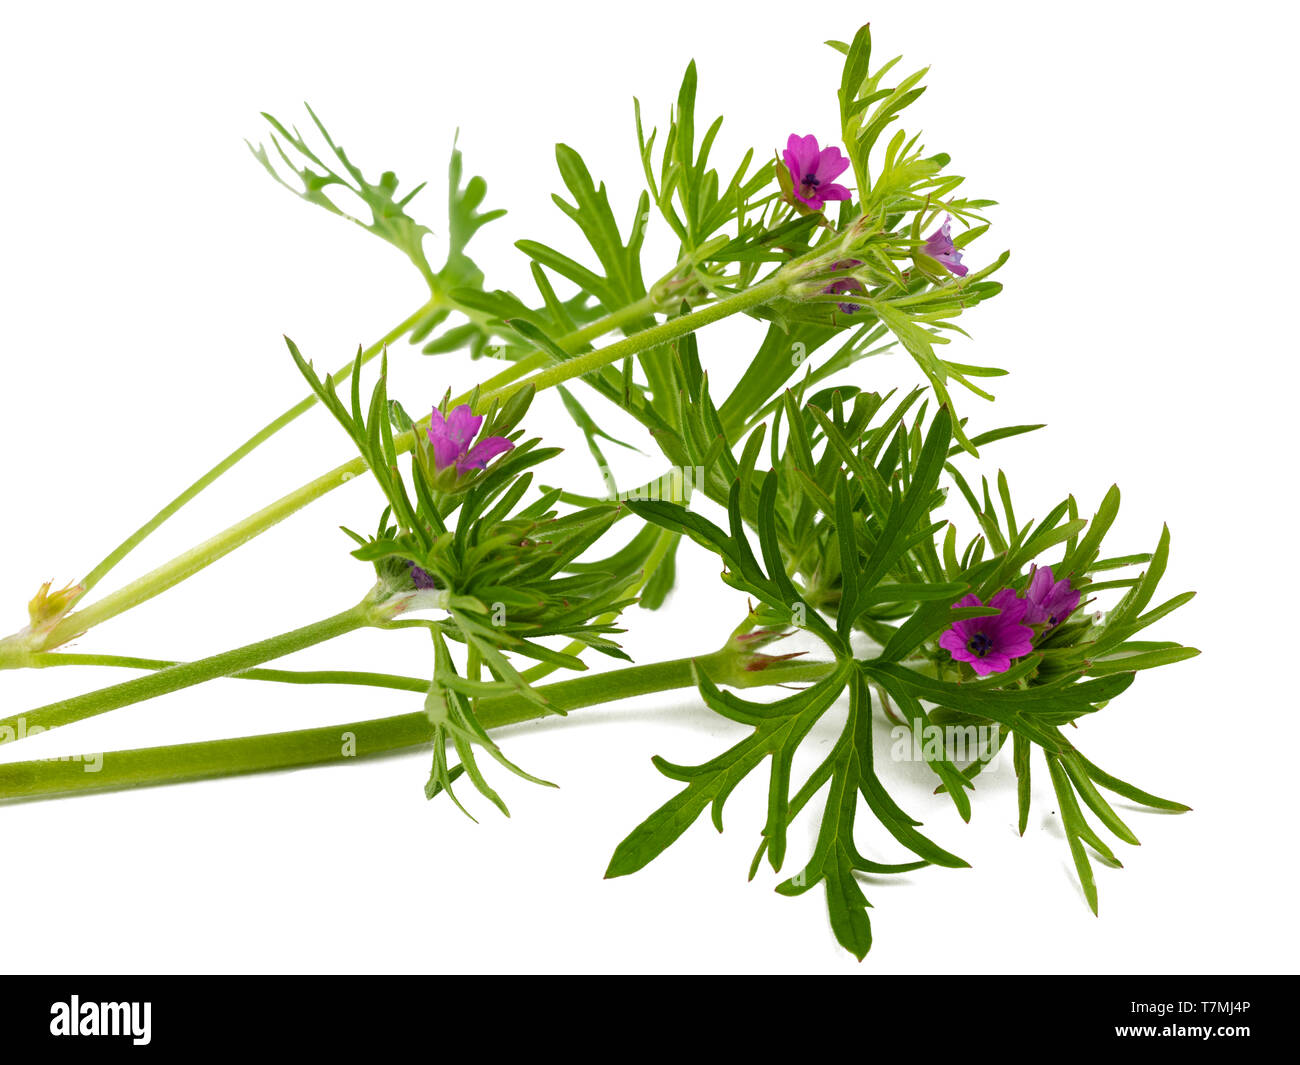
(792, 165)
(1040, 584)
(952, 262)
(806, 153)
(993, 662)
(831, 164)
(1012, 606)
(940, 241)
(463, 425)
(484, 452)
(1016, 646)
(445, 450)
(801, 160)
(952, 641)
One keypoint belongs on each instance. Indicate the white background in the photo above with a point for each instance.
(1144, 157)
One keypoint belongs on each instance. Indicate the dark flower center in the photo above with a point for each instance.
(979, 645)
(811, 180)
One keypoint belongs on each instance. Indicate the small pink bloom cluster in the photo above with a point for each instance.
(989, 643)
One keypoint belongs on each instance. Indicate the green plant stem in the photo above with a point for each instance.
(574, 341)
(196, 558)
(548, 377)
(184, 565)
(660, 293)
(366, 739)
(246, 448)
(54, 659)
(187, 674)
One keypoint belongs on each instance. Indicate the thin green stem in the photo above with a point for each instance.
(196, 558)
(186, 674)
(660, 293)
(574, 341)
(246, 448)
(365, 739)
(54, 659)
(764, 292)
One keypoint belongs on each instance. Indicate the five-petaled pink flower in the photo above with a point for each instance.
(453, 436)
(813, 171)
(938, 245)
(990, 643)
(1050, 601)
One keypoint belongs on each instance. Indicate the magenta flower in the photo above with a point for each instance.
(452, 436)
(990, 643)
(846, 284)
(1050, 601)
(813, 170)
(938, 245)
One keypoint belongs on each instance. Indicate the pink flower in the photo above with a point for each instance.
(813, 170)
(846, 284)
(990, 643)
(1050, 601)
(452, 436)
(938, 245)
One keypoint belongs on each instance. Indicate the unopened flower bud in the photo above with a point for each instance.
(47, 608)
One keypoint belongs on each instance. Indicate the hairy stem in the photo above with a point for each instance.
(187, 674)
(364, 739)
(246, 448)
(573, 342)
(197, 558)
(644, 340)
(53, 659)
